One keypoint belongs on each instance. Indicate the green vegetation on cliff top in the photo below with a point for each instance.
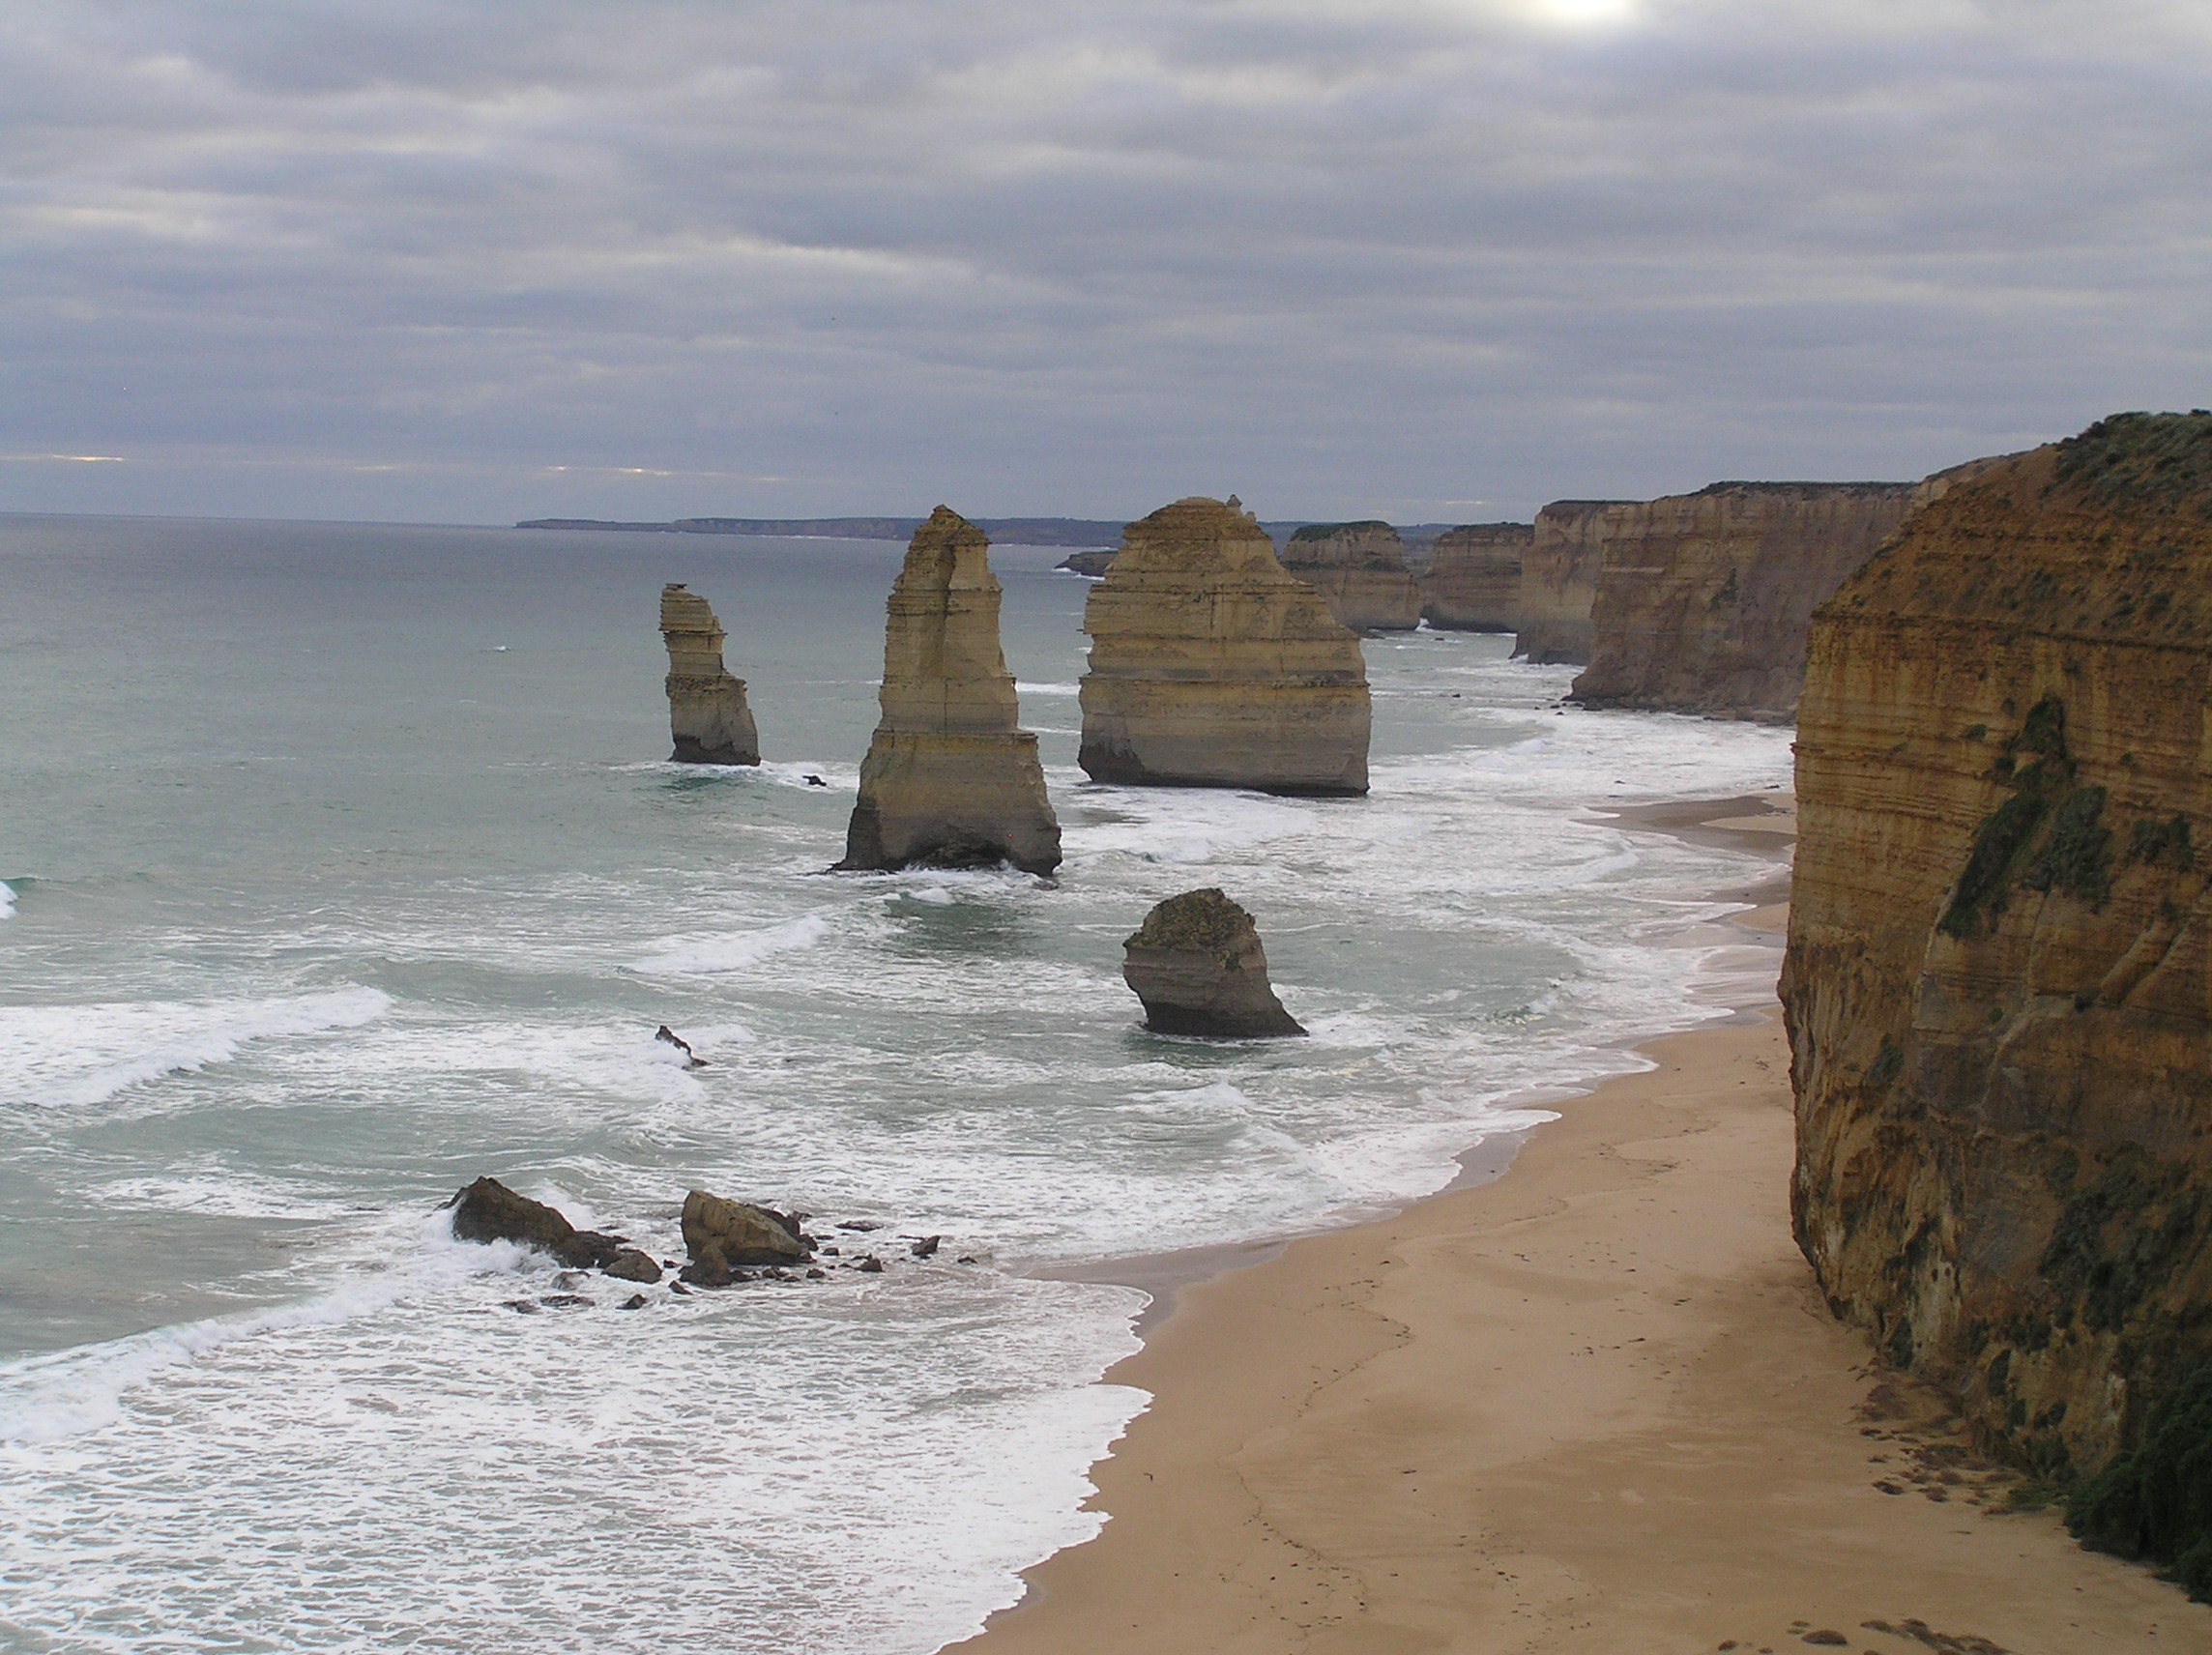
(2161, 459)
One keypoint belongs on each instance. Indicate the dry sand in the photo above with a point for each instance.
(1594, 1406)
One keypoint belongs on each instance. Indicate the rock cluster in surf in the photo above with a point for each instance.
(951, 780)
(1474, 579)
(707, 711)
(487, 1211)
(1212, 666)
(1359, 569)
(1197, 965)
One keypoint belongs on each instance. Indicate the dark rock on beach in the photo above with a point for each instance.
(1198, 966)
(487, 1211)
(722, 1235)
(633, 1266)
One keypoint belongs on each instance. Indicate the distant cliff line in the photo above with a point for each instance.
(1071, 532)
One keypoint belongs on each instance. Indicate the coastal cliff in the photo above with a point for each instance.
(1997, 977)
(1559, 581)
(950, 779)
(707, 711)
(1703, 599)
(1474, 579)
(1211, 666)
(1359, 569)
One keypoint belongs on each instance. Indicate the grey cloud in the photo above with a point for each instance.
(1343, 258)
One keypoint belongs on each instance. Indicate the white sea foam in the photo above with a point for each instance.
(6, 899)
(78, 1054)
(1048, 688)
(695, 954)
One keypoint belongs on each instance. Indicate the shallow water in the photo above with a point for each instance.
(343, 869)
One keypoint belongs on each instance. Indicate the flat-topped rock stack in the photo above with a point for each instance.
(1474, 579)
(707, 711)
(950, 779)
(1359, 568)
(1198, 967)
(1212, 666)
(1703, 601)
(1559, 581)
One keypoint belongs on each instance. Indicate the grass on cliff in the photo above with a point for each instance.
(2152, 458)
(2156, 1503)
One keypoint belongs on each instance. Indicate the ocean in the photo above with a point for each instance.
(343, 867)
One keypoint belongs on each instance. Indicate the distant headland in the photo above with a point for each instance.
(1073, 532)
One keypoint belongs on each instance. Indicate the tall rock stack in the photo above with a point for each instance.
(707, 711)
(1359, 569)
(1559, 581)
(951, 780)
(1473, 583)
(1703, 599)
(1999, 984)
(1211, 666)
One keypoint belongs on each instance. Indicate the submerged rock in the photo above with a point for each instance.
(721, 1235)
(707, 711)
(1198, 966)
(1474, 582)
(1359, 569)
(487, 1211)
(950, 779)
(1213, 666)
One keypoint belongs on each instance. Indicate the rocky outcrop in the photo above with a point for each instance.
(951, 780)
(487, 1211)
(1093, 563)
(1198, 967)
(722, 1237)
(1559, 581)
(1703, 599)
(1473, 580)
(1359, 569)
(707, 711)
(1999, 981)
(1211, 666)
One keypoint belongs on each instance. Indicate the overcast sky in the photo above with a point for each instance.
(1421, 259)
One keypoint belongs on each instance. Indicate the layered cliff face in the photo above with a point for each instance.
(1997, 977)
(1473, 580)
(1559, 581)
(1703, 599)
(707, 711)
(1359, 569)
(950, 779)
(1211, 666)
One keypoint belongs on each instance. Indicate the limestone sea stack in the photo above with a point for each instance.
(1211, 666)
(951, 780)
(1559, 581)
(1703, 601)
(1359, 568)
(707, 711)
(1198, 966)
(1998, 982)
(1473, 580)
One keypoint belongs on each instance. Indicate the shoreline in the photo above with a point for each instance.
(1596, 1406)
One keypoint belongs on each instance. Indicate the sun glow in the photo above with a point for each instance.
(1583, 14)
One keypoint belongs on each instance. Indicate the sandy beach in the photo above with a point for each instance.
(1594, 1405)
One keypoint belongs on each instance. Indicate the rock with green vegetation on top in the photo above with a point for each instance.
(1198, 966)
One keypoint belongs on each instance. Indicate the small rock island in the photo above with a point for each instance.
(1198, 966)
(1473, 580)
(707, 711)
(1359, 569)
(1213, 666)
(950, 779)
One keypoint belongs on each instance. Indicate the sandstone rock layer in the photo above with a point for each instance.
(1999, 972)
(1559, 581)
(951, 780)
(707, 711)
(1211, 666)
(1359, 569)
(1474, 582)
(1703, 601)
(1198, 967)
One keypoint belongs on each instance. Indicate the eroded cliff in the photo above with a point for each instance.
(1703, 601)
(1359, 569)
(1559, 581)
(1997, 977)
(1474, 579)
(1211, 666)
(950, 778)
(707, 711)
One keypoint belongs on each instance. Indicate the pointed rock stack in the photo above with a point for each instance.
(1473, 583)
(707, 711)
(950, 779)
(1359, 568)
(1198, 966)
(1212, 666)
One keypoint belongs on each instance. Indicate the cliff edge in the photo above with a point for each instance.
(1997, 979)
(1359, 569)
(1473, 578)
(1558, 582)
